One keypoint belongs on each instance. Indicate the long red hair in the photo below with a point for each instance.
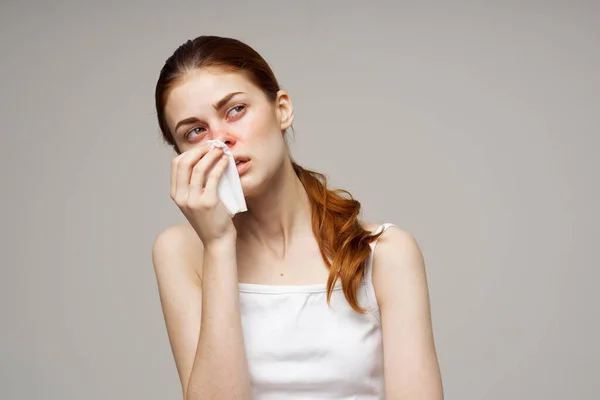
(343, 243)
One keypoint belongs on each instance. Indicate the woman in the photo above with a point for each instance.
(288, 300)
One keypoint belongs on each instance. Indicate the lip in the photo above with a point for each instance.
(240, 158)
(243, 166)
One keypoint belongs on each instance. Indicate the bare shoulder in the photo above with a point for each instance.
(394, 235)
(178, 245)
(398, 264)
(411, 367)
(395, 244)
(177, 255)
(369, 226)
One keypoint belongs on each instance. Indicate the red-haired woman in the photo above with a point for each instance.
(290, 299)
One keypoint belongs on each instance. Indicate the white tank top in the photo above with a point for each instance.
(299, 347)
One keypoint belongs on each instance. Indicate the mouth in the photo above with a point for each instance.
(242, 164)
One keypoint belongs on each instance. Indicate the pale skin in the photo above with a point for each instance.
(198, 265)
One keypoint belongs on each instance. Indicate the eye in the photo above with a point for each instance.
(197, 131)
(236, 111)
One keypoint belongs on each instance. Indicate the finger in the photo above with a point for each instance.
(212, 181)
(203, 167)
(174, 166)
(184, 168)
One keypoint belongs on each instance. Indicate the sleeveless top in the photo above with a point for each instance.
(299, 347)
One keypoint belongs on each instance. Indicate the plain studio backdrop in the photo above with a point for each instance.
(472, 125)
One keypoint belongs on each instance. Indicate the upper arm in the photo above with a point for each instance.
(410, 362)
(177, 260)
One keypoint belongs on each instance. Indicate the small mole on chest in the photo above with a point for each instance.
(281, 274)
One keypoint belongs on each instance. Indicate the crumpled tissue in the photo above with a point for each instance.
(230, 188)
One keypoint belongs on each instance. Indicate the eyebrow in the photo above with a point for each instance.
(217, 106)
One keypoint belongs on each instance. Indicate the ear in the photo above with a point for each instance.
(285, 110)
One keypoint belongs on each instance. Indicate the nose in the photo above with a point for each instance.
(224, 137)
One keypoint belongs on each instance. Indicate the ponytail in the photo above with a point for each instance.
(344, 244)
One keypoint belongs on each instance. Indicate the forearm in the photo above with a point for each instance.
(220, 367)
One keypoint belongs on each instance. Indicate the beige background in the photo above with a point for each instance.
(473, 125)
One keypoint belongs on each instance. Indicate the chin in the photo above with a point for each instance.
(257, 182)
(250, 188)
(253, 188)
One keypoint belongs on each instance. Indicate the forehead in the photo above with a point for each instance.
(200, 89)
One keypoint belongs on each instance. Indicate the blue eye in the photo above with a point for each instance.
(198, 130)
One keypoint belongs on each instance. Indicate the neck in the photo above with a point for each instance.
(281, 215)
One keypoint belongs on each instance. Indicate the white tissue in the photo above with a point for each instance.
(230, 188)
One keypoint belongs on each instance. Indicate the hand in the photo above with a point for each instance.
(195, 176)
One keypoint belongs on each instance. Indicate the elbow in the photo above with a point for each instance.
(191, 394)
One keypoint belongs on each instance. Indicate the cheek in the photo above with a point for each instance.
(259, 135)
(261, 128)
